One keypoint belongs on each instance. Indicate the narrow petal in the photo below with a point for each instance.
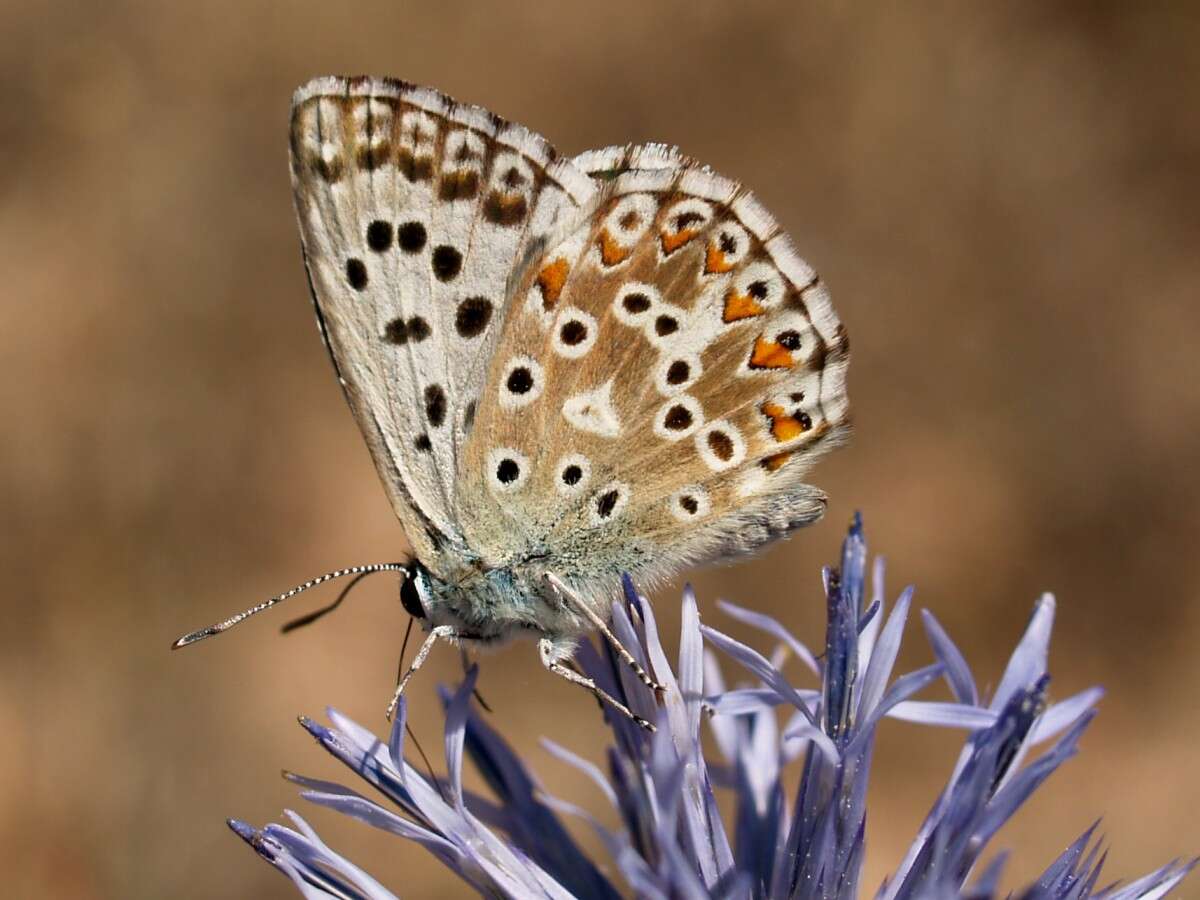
(958, 673)
(773, 627)
(879, 668)
(1028, 662)
(944, 715)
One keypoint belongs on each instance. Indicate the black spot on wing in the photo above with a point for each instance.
(607, 502)
(379, 235)
(473, 316)
(446, 262)
(411, 237)
(356, 274)
(435, 405)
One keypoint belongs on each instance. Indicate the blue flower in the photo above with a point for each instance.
(673, 841)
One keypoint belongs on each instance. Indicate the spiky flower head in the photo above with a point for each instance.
(673, 840)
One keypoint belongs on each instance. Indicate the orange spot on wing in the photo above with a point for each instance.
(740, 306)
(774, 463)
(783, 426)
(672, 242)
(611, 252)
(714, 261)
(550, 281)
(770, 355)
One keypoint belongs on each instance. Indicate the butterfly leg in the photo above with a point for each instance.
(442, 632)
(598, 621)
(551, 661)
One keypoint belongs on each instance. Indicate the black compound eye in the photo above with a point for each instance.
(410, 597)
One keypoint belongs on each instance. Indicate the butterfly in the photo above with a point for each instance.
(565, 369)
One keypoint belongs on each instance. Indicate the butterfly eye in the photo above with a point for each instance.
(414, 591)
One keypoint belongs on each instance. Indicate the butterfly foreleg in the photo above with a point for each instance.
(442, 632)
(551, 659)
(576, 603)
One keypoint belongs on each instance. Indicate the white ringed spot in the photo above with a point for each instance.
(507, 469)
(521, 382)
(572, 474)
(720, 445)
(689, 503)
(678, 418)
(574, 333)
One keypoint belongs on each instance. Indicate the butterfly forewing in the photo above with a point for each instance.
(668, 371)
(414, 213)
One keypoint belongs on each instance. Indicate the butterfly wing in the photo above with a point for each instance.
(668, 371)
(414, 213)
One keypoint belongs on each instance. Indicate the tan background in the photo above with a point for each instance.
(1003, 198)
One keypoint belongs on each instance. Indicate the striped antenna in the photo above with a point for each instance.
(203, 633)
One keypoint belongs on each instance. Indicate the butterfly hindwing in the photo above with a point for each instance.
(414, 213)
(668, 371)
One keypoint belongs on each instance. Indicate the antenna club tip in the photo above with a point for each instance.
(194, 636)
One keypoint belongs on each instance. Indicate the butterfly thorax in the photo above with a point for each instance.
(491, 605)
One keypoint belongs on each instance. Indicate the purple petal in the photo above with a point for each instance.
(691, 660)
(773, 627)
(759, 666)
(589, 769)
(958, 673)
(456, 732)
(1028, 662)
(724, 729)
(1063, 713)
(943, 715)
(756, 664)
(883, 657)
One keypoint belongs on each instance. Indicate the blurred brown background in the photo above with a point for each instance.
(1003, 198)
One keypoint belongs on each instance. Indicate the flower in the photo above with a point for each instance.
(674, 841)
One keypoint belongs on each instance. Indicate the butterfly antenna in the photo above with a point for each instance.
(211, 630)
(311, 617)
